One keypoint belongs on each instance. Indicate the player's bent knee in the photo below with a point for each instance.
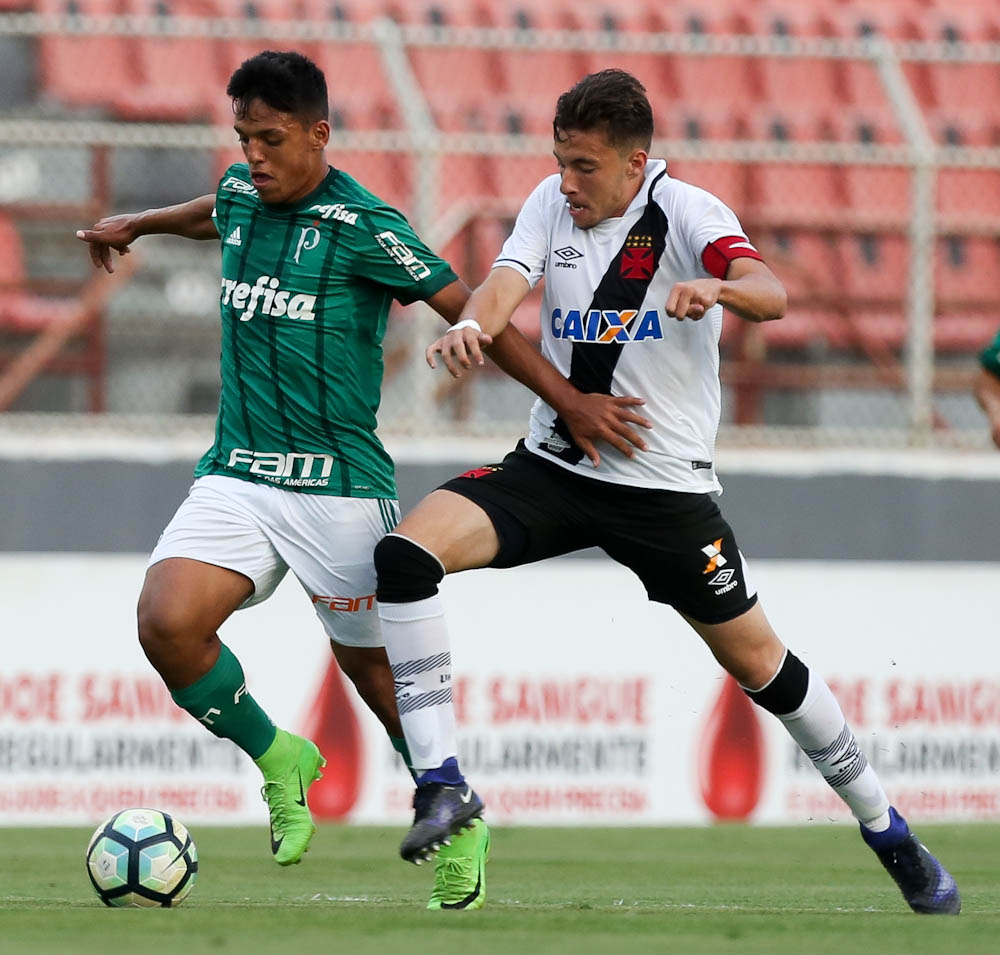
(406, 571)
(166, 627)
(786, 690)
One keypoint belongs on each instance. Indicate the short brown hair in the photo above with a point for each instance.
(612, 100)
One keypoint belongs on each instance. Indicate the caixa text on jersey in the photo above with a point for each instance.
(605, 326)
(267, 295)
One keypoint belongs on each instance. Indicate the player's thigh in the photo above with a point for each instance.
(181, 596)
(328, 543)
(684, 552)
(536, 510)
(457, 530)
(223, 523)
(746, 646)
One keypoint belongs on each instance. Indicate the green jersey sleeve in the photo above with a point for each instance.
(388, 252)
(989, 357)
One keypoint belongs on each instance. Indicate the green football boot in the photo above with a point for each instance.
(460, 870)
(290, 766)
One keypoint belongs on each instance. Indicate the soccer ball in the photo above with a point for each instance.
(142, 858)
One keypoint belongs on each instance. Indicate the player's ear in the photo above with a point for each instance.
(319, 134)
(637, 162)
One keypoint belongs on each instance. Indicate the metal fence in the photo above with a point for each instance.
(867, 170)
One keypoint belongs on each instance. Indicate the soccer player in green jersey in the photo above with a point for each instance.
(987, 387)
(296, 477)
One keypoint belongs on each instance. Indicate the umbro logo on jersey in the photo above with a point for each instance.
(234, 237)
(567, 253)
(606, 326)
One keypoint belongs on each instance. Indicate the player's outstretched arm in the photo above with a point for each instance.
(987, 392)
(590, 417)
(483, 316)
(750, 289)
(192, 220)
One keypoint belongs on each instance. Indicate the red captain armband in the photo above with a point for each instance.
(721, 252)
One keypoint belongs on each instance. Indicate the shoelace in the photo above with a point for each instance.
(278, 811)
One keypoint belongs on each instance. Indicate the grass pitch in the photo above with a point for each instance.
(815, 889)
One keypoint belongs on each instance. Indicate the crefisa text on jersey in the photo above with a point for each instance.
(605, 326)
(276, 300)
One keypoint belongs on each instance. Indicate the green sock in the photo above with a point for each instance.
(220, 701)
(399, 745)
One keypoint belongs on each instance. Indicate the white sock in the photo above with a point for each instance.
(819, 727)
(416, 640)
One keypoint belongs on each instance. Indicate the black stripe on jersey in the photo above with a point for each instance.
(272, 337)
(234, 336)
(592, 365)
(515, 261)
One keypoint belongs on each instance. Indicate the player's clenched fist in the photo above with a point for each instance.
(113, 232)
(460, 347)
(692, 299)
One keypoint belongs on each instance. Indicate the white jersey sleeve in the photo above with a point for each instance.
(704, 220)
(527, 247)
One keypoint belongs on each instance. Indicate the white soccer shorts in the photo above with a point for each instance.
(261, 532)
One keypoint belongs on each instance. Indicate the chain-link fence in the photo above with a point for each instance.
(860, 148)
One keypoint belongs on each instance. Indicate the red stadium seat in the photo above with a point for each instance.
(787, 195)
(176, 78)
(354, 105)
(517, 176)
(727, 179)
(965, 274)
(83, 70)
(963, 87)
(388, 175)
(791, 83)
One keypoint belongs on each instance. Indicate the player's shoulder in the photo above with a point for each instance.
(679, 196)
(546, 199)
(347, 199)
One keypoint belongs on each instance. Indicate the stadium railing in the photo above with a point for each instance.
(845, 140)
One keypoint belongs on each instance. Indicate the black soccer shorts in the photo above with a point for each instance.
(677, 543)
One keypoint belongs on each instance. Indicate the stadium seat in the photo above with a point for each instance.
(517, 176)
(354, 105)
(965, 274)
(176, 77)
(388, 175)
(786, 195)
(710, 86)
(465, 179)
(83, 70)
(791, 83)
(963, 87)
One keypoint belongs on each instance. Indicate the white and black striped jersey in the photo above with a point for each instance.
(604, 324)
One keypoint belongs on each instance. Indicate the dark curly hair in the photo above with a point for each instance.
(286, 81)
(613, 101)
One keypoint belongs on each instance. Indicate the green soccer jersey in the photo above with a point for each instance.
(306, 291)
(989, 357)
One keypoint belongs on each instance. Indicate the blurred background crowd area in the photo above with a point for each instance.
(859, 143)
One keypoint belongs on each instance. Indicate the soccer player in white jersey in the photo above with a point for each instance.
(637, 268)
(297, 478)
